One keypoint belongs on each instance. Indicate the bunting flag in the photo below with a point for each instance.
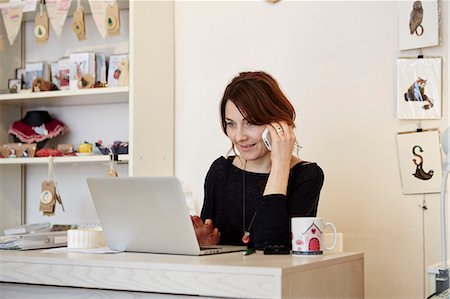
(98, 10)
(29, 5)
(57, 12)
(2, 43)
(12, 18)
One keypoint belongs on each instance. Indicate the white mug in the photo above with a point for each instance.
(308, 236)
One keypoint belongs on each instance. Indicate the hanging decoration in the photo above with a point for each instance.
(419, 88)
(49, 194)
(78, 25)
(29, 5)
(2, 43)
(12, 18)
(57, 13)
(418, 24)
(419, 156)
(112, 19)
(112, 164)
(41, 31)
(98, 10)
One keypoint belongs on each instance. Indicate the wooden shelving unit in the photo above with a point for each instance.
(70, 159)
(145, 109)
(90, 96)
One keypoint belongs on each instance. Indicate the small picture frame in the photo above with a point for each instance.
(15, 85)
(20, 74)
(419, 88)
(419, 157)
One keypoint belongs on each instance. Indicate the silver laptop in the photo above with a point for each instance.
(147, 214)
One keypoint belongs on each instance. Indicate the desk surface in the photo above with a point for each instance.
(226, 275)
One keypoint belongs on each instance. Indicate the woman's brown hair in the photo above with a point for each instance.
(259, 99)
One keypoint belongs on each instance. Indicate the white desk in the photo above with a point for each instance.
(334, 275)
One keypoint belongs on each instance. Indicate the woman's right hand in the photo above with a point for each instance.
(205, 231)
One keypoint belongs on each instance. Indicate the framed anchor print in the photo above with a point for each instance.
(419, 156)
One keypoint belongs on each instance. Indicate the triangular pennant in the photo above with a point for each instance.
(29, 5)
(12, 17)
(57, 13)
(2, 43)
(98, 10)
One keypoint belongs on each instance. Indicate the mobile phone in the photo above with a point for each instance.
(266, 138)
(276, 249)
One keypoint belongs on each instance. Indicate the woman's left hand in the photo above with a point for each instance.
(283, 141)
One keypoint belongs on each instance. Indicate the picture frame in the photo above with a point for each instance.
(419, 88)
(418, 24)
(419, 157)
(15, 85)
(20, 74)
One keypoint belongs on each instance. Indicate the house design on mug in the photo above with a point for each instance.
(312, 236)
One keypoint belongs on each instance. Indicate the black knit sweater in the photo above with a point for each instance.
(224, 202)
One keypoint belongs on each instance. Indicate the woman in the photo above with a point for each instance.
(251, 196)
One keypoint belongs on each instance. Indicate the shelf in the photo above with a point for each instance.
(90, 96)
(71, 159)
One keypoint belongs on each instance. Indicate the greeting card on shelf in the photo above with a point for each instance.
(36, 70)
(64, 73)
(100, 67)
(54, 69)
(81, 64)
(118, 70)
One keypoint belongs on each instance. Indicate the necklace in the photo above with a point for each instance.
(246, 236)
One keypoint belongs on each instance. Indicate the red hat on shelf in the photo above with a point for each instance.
(35, 127)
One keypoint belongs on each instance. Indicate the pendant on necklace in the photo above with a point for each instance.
(246, 237)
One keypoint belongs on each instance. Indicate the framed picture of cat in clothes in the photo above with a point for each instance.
(419, 157)
(419, 88)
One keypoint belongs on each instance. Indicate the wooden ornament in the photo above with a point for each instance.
(41, 27)
(112, 20)
(48, 198)
(86, 81)
(78, 25)
(112, 167)
(112, 173)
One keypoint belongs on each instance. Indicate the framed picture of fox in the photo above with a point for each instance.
(419, 88)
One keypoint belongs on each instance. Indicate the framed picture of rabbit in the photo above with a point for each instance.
(420, 161)
(419, 88)
(418, 24)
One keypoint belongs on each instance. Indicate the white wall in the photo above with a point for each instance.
(336, 61)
